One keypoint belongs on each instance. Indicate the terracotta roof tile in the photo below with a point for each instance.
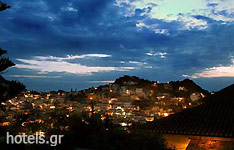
(213, 118)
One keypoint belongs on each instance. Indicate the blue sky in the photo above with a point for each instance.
(78, 44)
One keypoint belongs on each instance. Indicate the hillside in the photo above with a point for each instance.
(9, 89)
(142, 89)
(225, 95)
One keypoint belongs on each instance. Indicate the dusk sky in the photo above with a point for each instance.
(64, 44)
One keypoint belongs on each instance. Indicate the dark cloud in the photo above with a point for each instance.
(42, 28)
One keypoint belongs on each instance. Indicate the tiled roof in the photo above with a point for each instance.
(213, 118)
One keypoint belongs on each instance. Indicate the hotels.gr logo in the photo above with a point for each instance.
(54, 140)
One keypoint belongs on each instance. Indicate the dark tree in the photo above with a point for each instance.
(8, 89)
(4, 6)
(4, 61)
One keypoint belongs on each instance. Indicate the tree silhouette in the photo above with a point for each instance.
(8, 89)
(4, 6)
(4, 61)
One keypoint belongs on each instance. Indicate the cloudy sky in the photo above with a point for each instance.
(66, 44)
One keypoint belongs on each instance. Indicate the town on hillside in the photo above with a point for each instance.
(126, 101)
